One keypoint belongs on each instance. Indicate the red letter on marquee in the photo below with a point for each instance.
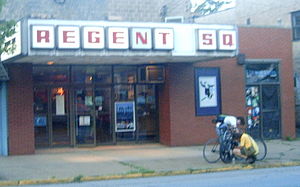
(208, 39)
(115, 37)
(43, 35)
(164, 34)
(92, 39)
(140, 37)
(227, 39)
(66, 37)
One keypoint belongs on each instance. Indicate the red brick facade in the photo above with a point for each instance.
(20, 110)
(177, 121)
(183, 127)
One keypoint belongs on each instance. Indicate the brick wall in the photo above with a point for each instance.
(187, 128)
(272, 43)
(183, 127)
(20, 110)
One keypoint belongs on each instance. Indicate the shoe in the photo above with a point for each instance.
(251, 159)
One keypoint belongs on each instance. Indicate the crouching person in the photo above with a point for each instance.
(247, 147)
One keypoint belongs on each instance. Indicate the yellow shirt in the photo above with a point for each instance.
(247, 142)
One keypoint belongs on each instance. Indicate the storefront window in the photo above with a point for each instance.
(125, 74)
(91, 74)
(50, 74)
(124, 93)
(258, 73)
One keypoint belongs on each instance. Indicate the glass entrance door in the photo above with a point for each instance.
(146, 113)
(104, 127)
(84, 116)
(263, 99)
(59, 120)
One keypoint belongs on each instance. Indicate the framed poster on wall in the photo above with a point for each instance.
(125, 116)
(207, 91)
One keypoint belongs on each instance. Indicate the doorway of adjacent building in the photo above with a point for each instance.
(263, 100)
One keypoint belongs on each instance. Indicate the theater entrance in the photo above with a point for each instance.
(94, 105)
(92, 109)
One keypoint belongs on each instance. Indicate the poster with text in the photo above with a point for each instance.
(125, 116)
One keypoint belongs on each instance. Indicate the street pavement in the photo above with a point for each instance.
(126, 161)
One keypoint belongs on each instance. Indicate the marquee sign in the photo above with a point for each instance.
(101, 38)
(96, 37)
(125, 38)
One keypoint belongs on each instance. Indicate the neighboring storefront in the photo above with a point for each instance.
(90, 83)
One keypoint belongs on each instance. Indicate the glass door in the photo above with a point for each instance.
(270, 111)
(41, 125)
(104, 127)
(263, 99)
(146, 113)
(84, 116)
(59, 121)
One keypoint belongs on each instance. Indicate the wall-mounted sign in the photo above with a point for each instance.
(124, 116)
(207, 91)
(210, 39)
(13, 42)
(93, 37)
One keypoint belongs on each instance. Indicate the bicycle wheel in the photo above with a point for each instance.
(262, 149)
(226, 154)
(211, 150)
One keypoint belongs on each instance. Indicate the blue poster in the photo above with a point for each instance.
(125, 116)
(40, 121)
(207, 91)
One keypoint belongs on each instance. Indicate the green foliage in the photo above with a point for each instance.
(288, 138)
(77, 178)
(2, 3)
(7, 29)
(209, 7)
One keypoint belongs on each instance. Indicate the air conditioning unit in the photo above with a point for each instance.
(152, 74)
(174, 19)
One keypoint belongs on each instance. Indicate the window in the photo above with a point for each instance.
(91, 74)
(175, 19)
(50, 74)
(125, 74)
(296, 25)
(258, 73)
(151, 74)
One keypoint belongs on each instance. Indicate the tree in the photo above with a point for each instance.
(7, 29)
(205, 7)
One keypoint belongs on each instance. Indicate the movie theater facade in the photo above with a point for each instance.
(95, 83)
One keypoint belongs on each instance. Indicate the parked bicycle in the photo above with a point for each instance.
(221, 148)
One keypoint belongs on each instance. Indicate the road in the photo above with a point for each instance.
(285, 176)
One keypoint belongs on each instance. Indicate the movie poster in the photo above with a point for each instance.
(125, 116)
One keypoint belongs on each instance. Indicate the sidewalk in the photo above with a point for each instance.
(111, 162)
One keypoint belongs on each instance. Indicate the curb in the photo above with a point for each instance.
(139, 175)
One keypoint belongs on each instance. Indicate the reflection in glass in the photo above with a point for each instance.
(60, 122)
(125, 74)
(104, 128)
(41, 128)
(91, 74)
(50, 74)
(257, 73)
(146, 112)
(84, 119)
